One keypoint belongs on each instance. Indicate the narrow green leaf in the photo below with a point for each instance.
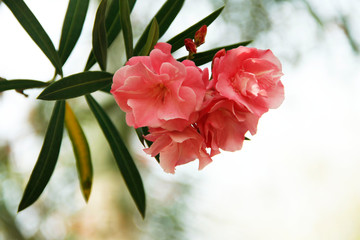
(207, 56)
(113, 27)
(107, 88)
(76, 85)
(47, 159)
(126, 26)
(99, 39)
(165, 16)
(123, 158)
(32, 26)
(20, 84)
(178, 41)
(81, 151)
(152, 39)
(72, 27)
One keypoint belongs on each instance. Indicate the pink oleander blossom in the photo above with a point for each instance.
(223, 123)
(158, 91)
(250, 77)
(177, 147)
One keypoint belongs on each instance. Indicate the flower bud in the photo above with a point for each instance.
(200, 35)
(219, 54)
(190, 45)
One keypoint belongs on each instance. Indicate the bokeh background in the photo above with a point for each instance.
(298, 178)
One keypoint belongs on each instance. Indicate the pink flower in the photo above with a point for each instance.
(250, 77)
(223, 123)
(158, 91)
(177, 148)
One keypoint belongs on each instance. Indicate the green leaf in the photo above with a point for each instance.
(21, 84)
(81, 151)
(165, 16)
(99, 39)
(178, 41)
(123, 158)
(126, 26)
(32, 26)
(152, 39)
(47, 159)
(76, 85)
(207, 56)
(113, 27)
(72, 27)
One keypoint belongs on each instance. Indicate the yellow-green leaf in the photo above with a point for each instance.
(81, 151)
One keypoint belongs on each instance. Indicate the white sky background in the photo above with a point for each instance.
(298, 178)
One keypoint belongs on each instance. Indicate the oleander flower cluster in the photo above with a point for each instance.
(190, 116)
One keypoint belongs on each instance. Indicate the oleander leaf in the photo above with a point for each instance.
(72, 27)
(123, 158)
(33, 27)
(207, 56)
(165, 16)
(99, 40)
(47, 159)
(76, 85)
(113, 27)
(126, 26)
(20, 84)
(178, 41)
(152, 39)
(81, 151)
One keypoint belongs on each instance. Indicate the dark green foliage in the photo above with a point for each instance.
(32, 26)
(178, 41)
(165, 16)
(110, 19)
(76, 85)
(20, 84)
(112, 25)
(123, 158)
(99, 36)
(47, 159)
(207, 56)
(72, 27)
(126, 26)
(152, 38)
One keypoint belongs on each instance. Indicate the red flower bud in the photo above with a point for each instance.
(200, 35)
(190, 45)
